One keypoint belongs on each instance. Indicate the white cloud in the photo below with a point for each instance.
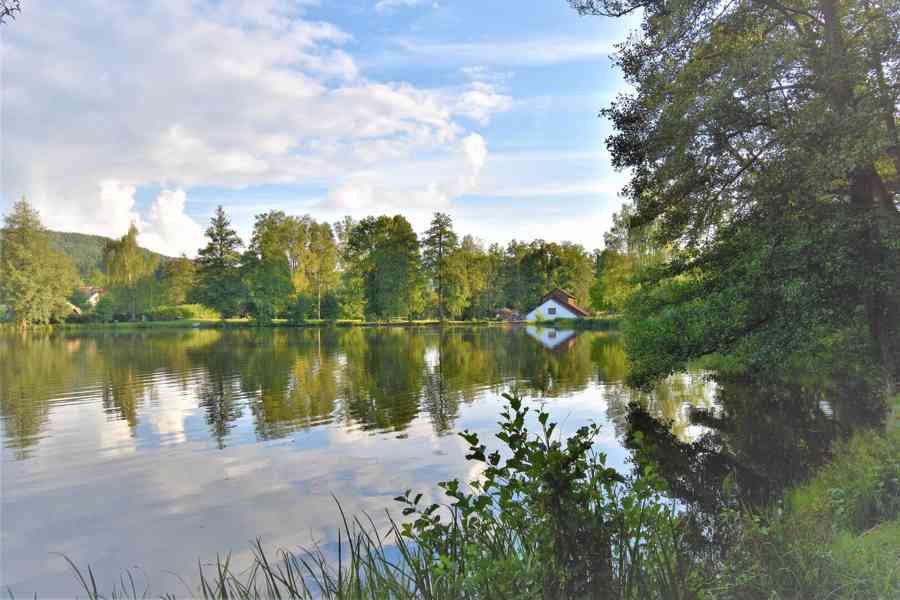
(186, 93)
(505, 53)
(426, 186)
(168, 230)
(481, 102)
(386, 5)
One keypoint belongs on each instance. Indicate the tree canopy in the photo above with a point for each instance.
(762, 142)
(35, 280)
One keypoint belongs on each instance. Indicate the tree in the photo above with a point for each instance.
(268, 284)
(178, 277)
(351, 294)
(384, 253)
(219, 281)
(35, 281)
(323, 258)
(277, 235)
(127, 265)
(437, 248)
(763, 144)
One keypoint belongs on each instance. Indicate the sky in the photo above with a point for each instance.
(157, 111)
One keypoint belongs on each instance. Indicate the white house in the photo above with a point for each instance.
(558, 304)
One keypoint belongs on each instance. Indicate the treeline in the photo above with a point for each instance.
(296, 268)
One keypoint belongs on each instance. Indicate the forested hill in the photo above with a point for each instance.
(85, 250)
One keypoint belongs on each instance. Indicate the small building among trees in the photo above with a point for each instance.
(558, 304)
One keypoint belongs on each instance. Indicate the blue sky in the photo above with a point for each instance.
(157, 111)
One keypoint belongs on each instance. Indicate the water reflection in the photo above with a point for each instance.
(761, 436)
(378, 380)
(210, 438)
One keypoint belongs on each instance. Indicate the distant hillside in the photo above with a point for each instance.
(86, 251)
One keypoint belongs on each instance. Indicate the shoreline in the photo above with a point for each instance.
(603, 323)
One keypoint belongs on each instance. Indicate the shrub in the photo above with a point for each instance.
(552, 521)
(302, 309)
(183, 311)
(331, 308)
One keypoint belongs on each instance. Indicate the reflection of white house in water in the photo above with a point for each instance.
(552, 339)
(558, 304)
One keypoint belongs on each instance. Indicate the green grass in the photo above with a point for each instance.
(836, 536)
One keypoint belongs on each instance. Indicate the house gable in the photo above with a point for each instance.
(558, 304)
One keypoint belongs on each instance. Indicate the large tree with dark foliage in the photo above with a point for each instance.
(384, 252)
(438, 246)
(219, 283)
(763, 145)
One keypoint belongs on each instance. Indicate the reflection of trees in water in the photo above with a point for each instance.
(383, 377)
(33, 367)
(672, 401)
(379, 379)
(763, 437)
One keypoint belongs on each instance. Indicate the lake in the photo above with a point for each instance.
(152, 450)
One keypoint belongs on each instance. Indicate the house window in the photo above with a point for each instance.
(551, 310)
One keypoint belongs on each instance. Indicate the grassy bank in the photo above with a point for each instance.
(244, 323)
(836, 536)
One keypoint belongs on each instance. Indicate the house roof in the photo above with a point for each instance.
(565, 299)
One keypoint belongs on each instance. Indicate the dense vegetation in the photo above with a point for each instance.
(298, 269)
(763, 145)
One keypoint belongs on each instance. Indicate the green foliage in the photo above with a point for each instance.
(383, 255)
(86, 252)
(762, 144)
(836, 535)
(183, 311)
(129, 269)
(35, 281)
(331, 308)
(268, 284)
(218, 281)
(438, 247)
(302, 309)
(548, 519)
(178, 279)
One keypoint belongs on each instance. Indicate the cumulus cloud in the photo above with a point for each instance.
(430, 184)
(186, 93)
(168, 230)
(482, 101)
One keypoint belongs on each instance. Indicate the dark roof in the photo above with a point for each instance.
(565, 299)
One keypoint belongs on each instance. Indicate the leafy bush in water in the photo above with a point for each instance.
(548, 519)
(183, 311)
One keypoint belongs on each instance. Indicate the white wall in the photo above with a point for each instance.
(561, 311)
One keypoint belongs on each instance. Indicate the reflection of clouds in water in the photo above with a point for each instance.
(163, 493)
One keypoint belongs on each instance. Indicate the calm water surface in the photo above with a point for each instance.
(156, 449)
